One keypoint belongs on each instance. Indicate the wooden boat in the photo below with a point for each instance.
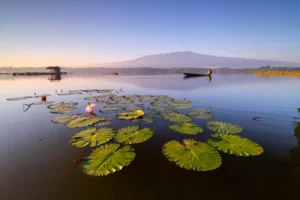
(209, 72)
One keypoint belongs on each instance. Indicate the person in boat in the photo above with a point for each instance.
(209, 72)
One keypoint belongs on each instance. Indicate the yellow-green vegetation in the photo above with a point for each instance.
(277, 73)
(108, 159)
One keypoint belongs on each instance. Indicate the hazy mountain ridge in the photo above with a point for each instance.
(188, 59)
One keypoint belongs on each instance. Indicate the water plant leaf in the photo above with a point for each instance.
(65, 118)
(236, 145)
(68, 93)
(159, 103)
(201, 114)
(93, 90)
(187, 128)
(133, 135)
(163, 98)
(63, 110)
(62, 105)
(111, 108)
(25, 97)
(105, 123)
(223, 127)
(92, 137)
(146, 98)
(192, 155)
(181, 105)
(124, 101)
(41, 103)
(132, 97)
(298, 109)
(177, 117)
(147, 120)
(181, 101)
(128, 115)
(133, 108)
(92, 97)
(105, 91)
(83, 121)
(108, 159)
(18, 98)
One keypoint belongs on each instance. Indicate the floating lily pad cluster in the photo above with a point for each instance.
(113, 151)
(93, 90)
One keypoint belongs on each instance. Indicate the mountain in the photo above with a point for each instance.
(188, 59)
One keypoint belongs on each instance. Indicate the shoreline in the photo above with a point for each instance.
(276, 73)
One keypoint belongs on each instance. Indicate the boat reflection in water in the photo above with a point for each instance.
(192, 75)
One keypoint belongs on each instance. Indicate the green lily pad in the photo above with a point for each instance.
(86, 91)
(201, 114)
(158, 110)
(133, 135)
(163, 98)
(63, 110)
(105, 123)
(180, 105)
(147, 98)
(64, 119)
(187, 128)
(192, 155)
(105, 91)
(181, 101)
(128, 116)
(41, 103)
(134, 108)
(68, 93)
(111, 108)
(177, 117)
(92, 90)
(159, 104)
(83, 121)
(132, 97)
(236, 145)
(92, 137)
(18, 98)
(223, 127)
(94, 98)
(25, 97)
(124, 101)
(147, 120)
(108, 159)
(62, 105)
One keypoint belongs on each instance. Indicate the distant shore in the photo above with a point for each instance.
(276, 73)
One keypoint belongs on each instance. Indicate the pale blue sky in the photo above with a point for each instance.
(73, 32)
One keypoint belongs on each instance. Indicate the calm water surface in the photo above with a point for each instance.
(33, 169)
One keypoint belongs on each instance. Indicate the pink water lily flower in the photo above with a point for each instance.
(90, 108)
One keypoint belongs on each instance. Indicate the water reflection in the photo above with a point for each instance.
(54, 77)
(208, 78)
(294, 153)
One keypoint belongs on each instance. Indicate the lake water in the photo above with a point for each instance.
(32, 169)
